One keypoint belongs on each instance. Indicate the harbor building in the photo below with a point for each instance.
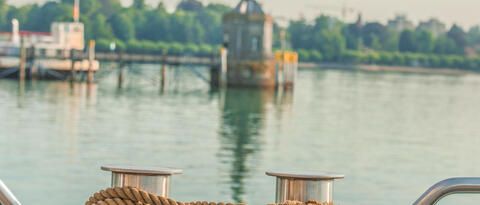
(58, 54)
(248, 38)
(63, 37)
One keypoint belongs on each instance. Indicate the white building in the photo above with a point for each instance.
(63, 37)
(400, 23)
(435, 26)
(52, 49)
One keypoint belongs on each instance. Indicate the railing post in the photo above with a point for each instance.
(163, 71)
(461, 185)
(121, 76)
(6, 196)
(150, 179)
(23, 61)
(91, 61)
(304, 187)
(72, 65)
(223, 78)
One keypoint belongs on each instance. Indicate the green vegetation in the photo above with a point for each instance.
(374, 43)
(195, 29)
(108, 20)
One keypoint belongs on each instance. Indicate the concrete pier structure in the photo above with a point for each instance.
(250, 61)
(248, 36)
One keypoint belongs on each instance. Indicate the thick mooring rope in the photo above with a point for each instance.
(134, 196)
(304, 203)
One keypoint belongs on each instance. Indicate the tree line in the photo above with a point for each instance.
(194, 28)
(328, 39)
(191, 28)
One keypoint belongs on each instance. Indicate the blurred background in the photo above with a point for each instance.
(386, 93)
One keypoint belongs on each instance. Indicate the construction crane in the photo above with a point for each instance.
(344, 9)
(282, 22)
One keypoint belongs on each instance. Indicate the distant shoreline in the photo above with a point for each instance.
(386, 68)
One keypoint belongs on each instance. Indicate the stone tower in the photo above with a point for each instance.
(248, 34)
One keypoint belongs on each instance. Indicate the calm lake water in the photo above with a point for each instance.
(393, 135)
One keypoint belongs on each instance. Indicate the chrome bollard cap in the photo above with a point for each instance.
(304, 186)
(306, 175)
(152, 171)
(151, 179)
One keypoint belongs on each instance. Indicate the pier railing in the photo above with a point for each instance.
(297, 188)
(462, 185)
(6, 196)
(158, 59)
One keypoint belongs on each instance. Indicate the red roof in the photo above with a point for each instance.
(27, 33)
(32, 33)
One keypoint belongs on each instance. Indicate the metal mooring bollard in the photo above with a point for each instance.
(304, 187)
(151, 179)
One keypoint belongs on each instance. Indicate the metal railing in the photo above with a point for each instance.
(6, 196)
(462, 185)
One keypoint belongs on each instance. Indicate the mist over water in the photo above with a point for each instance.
(393, 135)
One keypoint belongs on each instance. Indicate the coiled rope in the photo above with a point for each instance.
(134, 196)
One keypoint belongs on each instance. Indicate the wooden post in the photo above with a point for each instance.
(23, 59)
(223, 67)
(163, 71)
(91, 61)
(33, 67)
(72, 65)
(120, 76)
(121, 64)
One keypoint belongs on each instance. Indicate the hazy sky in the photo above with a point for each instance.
(463, 12)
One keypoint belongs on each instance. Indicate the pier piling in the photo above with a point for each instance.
(33, 66)
(72, 65)
(163, 71)
(23, 61)
(163, 76)
(121, 76)
(223, 67)
(91, 60)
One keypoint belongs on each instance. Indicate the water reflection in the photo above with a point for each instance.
(75, 94)
(243, 120)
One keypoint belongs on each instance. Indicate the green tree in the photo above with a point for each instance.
(139, 4)
(21, 14)
(190, 5)
(100, 29)
(110, 7)
(327, 37)
(353, 36)
(90, 7)
(458, 36)
(156, 27)
(407, 41)
(374, 35)
(4, 9)
(40, 18)
(300, 34)
(473, 36)
(425, 42)
(445, 45)
(122, 26)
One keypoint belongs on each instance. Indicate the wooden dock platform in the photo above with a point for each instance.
(157, 59)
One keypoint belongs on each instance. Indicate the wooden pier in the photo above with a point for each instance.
(30, 63)
(157, 59)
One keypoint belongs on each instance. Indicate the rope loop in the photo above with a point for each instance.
(134, 196)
